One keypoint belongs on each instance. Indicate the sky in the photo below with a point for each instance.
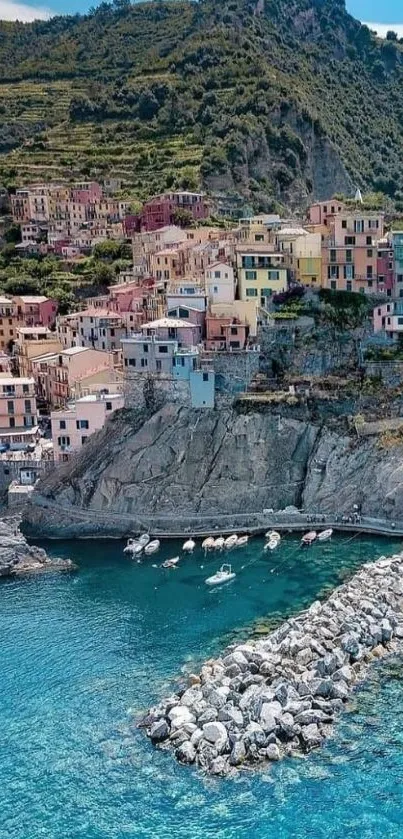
(380, 16)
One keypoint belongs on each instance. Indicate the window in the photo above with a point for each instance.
(82, 424)
(348, 285)
(27, 406)
(333, 272)
(132, 362)
(400, 321)
(251, 292)
(359, 226)
(235, 345)
(259, 237)
(158, 365)
(369, 253)
(112, 333)
(333, 285)
(10, 406)
(83, 440)
(273, 275)
(215, 289)
(250, 275)
(344, 224)
(369, 272)
(333, 257)
(12, 422)
(349, 240)
(205, 377)
(163, 348)
(349, 256)
(144, 362)
(369, 240)
(108, 406)
(25, 388)
(217, 275)
(62, 425)
(370, 283)
(349, 272)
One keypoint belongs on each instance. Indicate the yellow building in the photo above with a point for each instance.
(303, 254)
(261, 273)
(33, 342)
(257, 229)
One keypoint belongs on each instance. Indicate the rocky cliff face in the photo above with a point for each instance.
(180, 468)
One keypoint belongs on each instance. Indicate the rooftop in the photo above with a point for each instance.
(15, 380)
(36, 330)
(173, 323)
(33, 298)
(99, 313)
(292, 231)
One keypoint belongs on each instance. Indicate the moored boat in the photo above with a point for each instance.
(208, 543)
(325, 535)
(152, 547)
(224, 575)
(170, 563)
(219, 543)
(189, 545)
(143, 539)
(308, 538)
(271, 545)
(242, 541)
(133, 547)
(273, 534)
(231, 541)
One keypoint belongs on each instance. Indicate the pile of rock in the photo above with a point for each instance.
(279, 695)
(17, 557)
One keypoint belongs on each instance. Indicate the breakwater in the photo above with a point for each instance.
(280, 695)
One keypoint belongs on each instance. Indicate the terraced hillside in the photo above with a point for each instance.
(280, 100)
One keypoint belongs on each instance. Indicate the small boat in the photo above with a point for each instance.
(325, 535)
(272, 534)
(189, 545)
(143, 539)
(208, 543)
(152, 547)
(242, 540)
(231, 541)
(308, 538)
(222, 576)
(272, 544)
(133, 547)
(219, 543)
(170, 563)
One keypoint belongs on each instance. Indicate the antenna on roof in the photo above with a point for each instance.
(358, 196)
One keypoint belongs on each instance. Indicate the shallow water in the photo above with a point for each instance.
(81, 655)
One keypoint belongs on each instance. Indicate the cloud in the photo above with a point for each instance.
(9, 10)
(380, 28)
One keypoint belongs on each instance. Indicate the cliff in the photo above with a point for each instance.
(182, 468)
(237, 96)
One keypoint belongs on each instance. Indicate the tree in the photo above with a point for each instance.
(391, 35)
(183, 218)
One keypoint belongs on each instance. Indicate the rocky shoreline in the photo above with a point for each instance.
(18, 557)
(280, 695)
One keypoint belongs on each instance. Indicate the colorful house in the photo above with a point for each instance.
(31, 342)
(162, 210)
(225, 333)
(350, 252)
(18, 410)
(220, 283)
(73, 425)
(388, 318)
(36, 310)
(261, 273)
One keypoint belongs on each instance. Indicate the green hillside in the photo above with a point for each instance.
(281, 100)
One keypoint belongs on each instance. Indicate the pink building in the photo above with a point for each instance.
(389, 318)
(18, 411)
(225, 333)
(36, 310)
(87, 192)
(160, 210)
(323, 211)
(71, 426)
(172, 329)
(77, 365)
(350, 251)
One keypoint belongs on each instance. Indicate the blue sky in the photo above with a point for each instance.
(388, 12)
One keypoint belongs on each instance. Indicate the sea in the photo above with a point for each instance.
(83, 655)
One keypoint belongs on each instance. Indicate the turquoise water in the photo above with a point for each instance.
(81, 655)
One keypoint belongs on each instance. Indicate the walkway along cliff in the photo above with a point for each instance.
(279, 696)
(188, 470)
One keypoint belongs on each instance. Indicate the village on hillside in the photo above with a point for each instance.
(206, 289)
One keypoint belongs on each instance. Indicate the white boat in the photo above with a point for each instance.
(189, 545)
(152, 547)
(208, 543)
(272, 534)
(272, 544)
(219, 543)
(242, 540)
(133, 547)
(231, 541)
(170, 563)
(143, 539)
(308, 538)
(325, 535)
(222, 576)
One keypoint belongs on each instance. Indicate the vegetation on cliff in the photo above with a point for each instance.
(277, 99)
